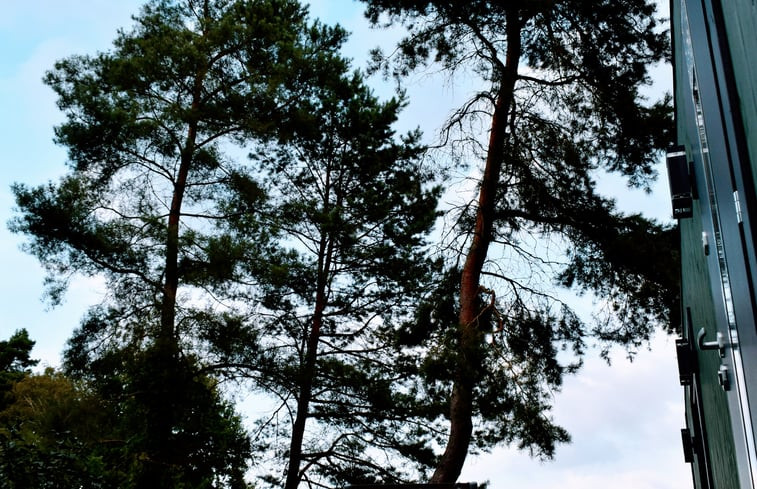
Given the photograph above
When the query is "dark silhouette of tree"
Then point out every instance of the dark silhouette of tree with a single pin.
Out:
(156, 131)
(353, 203)
(48, 434)
(15, 363)
(360, 212)
(561, 103)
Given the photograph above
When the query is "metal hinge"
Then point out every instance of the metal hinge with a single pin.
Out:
(737, 203)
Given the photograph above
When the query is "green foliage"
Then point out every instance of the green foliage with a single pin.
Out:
(353, 202)
(156, 129)
(631, 263)
(181, 87)
(15, 351)
(180, 433)
(220, 266)
(581, 65)
(61, 432)
(299, 267)
(50, 436)
(520, 362)
(560, 89)
(15, 362)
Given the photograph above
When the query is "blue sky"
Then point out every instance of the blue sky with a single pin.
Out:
(624, 419)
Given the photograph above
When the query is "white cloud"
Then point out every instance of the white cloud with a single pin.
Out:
(624, 420)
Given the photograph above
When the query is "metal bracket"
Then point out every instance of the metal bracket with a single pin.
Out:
(718, 344)
(723, 379)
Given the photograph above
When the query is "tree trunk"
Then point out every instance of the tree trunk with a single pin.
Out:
(306, 394)
(307, 375)
(171, 282)
(165, 355)
(470, 335)
(171, 278)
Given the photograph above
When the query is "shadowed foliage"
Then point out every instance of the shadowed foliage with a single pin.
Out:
(559, 92)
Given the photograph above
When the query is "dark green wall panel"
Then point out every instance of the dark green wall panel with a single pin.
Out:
(740, 18)
(697, 295)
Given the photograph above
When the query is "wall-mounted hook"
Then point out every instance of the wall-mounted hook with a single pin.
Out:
(718, 344)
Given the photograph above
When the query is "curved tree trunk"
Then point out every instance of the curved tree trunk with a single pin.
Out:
(470, 335)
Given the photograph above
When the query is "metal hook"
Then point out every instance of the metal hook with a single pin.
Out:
(718, 344)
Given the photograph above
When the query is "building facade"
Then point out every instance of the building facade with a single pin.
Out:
(712, 174)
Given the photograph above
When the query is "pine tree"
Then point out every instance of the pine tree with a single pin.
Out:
(15, 363)
(156, 131)
(353, 202)
(561, 100)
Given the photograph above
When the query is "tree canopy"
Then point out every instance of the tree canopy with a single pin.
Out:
(254, 215)
(156, 131)
(358, 219)
(257, 220)
(560, 95)
(47, 433)
(15, 363)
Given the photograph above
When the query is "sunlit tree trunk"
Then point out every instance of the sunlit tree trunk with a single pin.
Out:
(470, 335)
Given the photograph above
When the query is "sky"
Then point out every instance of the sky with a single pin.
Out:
(624, 419)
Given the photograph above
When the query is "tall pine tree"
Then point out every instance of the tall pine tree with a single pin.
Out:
(560, 96)
(353, 203)
(156, 131)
